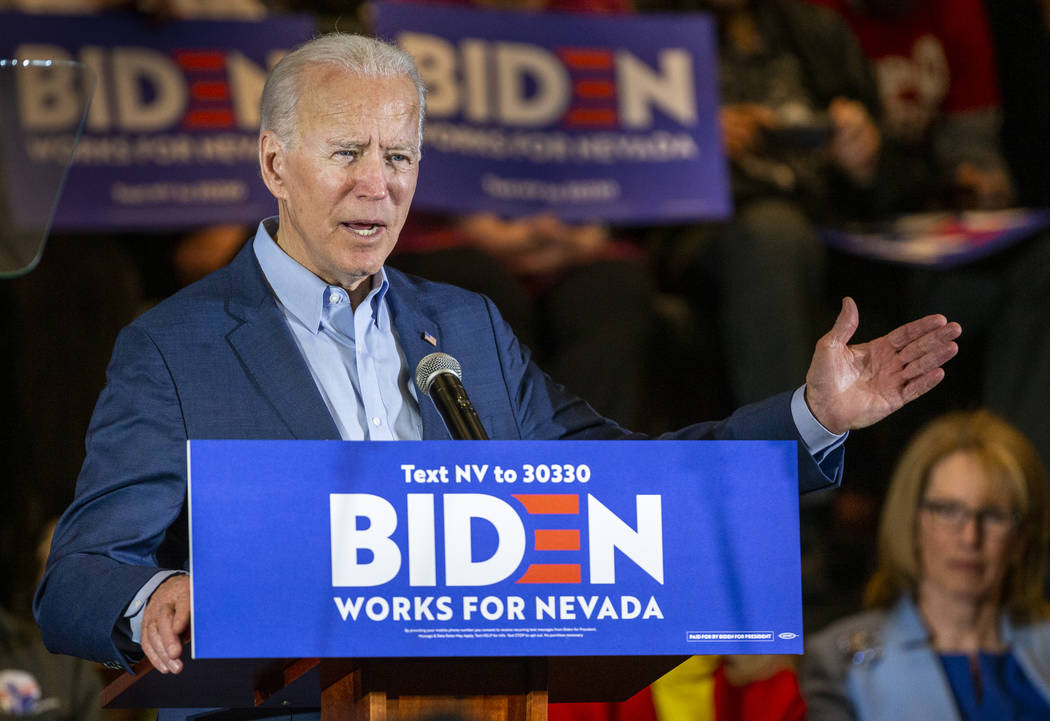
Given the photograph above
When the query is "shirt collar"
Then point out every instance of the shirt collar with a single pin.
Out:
(297, 289)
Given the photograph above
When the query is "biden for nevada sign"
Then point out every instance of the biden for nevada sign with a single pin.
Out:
(170, 138)
(591, 117)
(444, 548)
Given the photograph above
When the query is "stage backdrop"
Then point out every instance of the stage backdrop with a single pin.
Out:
(170, 136)
(591, 117)
(471, 548)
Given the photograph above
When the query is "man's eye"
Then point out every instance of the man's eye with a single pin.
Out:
(346, 154)
(400, 158)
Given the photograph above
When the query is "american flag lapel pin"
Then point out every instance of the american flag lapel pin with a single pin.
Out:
(430, 339)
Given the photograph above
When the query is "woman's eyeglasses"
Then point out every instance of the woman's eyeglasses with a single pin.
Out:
(996, 522)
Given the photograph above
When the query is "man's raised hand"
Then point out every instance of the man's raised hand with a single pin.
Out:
(853, 386)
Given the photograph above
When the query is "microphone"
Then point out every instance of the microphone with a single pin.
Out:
(438, 376)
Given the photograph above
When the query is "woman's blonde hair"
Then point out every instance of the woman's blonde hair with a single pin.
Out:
(1008, 458)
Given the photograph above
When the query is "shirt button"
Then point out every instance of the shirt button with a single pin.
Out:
(376, 422)
(334, 298)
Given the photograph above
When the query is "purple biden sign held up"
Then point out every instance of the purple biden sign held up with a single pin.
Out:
(589, 117)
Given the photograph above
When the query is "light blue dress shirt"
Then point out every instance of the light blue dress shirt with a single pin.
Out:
(353, 354)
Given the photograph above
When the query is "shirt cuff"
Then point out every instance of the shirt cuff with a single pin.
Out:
(138, 603)
(819, 441)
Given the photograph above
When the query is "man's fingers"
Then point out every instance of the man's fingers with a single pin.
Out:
(180, 620)
(150, 648)
(934, 341)
(909, 332)
(160, 643)
(929, 361)
(918, 386)
(165, 618)
(168, 637)
(155, 648)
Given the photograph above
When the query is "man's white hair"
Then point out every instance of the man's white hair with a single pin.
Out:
(356, 54)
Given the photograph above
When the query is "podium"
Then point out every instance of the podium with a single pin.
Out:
(392, 689)
(405, 580)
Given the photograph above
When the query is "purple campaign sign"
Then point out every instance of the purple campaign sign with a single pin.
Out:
(443, 548)
(586, 116)
(170, 137)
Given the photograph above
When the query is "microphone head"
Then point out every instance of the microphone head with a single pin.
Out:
(432, 366)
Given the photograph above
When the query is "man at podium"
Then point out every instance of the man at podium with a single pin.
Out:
(307, 335)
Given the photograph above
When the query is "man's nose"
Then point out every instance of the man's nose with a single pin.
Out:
(370, 181)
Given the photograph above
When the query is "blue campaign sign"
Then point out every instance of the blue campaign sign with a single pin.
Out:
(170, 138)
(591, 117)
(494, 548)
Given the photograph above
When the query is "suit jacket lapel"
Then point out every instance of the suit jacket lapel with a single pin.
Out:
(270, 355)
(414, 324)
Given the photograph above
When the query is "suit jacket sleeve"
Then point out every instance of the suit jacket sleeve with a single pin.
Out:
(545, 410)
(128, 514)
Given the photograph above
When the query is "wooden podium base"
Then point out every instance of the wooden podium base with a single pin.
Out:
(391, 689)
(496, 689)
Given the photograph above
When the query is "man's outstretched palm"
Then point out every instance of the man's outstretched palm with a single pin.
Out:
(853, 386)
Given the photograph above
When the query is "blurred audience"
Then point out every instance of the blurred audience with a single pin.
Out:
(940, 96)
(799, 110)
(936, 71)
(959, 626)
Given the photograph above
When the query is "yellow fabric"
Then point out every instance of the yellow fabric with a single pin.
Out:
(687, 692)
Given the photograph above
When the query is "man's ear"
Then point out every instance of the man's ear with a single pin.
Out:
(272, 163)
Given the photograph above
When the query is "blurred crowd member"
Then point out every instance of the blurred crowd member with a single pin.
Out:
(798, 107)
(936, 74)
(40, 685)
(576, 294)
(960, 628)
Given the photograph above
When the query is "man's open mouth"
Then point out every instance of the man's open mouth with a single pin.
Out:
(365, 229)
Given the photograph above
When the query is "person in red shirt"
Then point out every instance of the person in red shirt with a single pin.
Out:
(935, 67)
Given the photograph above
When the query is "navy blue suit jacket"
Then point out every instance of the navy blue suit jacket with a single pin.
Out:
(217, 361)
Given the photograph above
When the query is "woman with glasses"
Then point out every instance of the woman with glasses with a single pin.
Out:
(958, 627)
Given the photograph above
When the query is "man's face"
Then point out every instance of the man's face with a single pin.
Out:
(345, 181)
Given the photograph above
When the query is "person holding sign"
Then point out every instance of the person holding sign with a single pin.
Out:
(306, 334)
